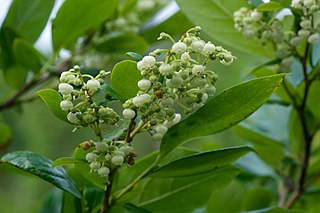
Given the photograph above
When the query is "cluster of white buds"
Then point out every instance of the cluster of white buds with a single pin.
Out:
(109, 155)
(268, 28)
(181, 79)
(77, 91)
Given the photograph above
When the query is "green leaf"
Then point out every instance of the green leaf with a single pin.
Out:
(269, 150)
(53, 202)
(65, 161)
(172, 195)
(216, 20)
(52, 98)
(124, 78)
(222, 112)
(275, 210)
(41, 167)
(26, 55)
(135, 209)
(5, 135)
(111, 92)
(135, 56)
(201, 162)
(257, 198)
(270, 6)
(15, 75)
(76, 16)
(93, 199)
(28, 18)
(120, 43)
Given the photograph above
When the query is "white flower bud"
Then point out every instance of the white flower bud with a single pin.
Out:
(126, 149)
(305, 24)
(303, 33)
(179, 48)
(185, 57)
(256, 16)
(91, 157)
(204, 97)
(165, 69)
(176, 81)
(95, 165)
(66, 105)
(210, 89)
(209, 48)
(196, 69)
(157, 137)
(144, 84)
(197, 46)
(149, 61)
(118, 152)
(102, 146)
(167, 102)
(296, 3)
(104, 171)
(107, 157)
(140, 100)
(117, 160)
(177, 118)
(72, 117)
(308, 3)
(93, 84)
(65, 88)
(160, 128)
(128, 113)
(314, 38)
(295, 41)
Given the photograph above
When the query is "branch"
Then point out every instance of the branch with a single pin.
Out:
(107, 193)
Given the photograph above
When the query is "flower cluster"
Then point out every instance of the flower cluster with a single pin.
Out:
(181, 79)
(270, 28)
(109, 155)
(77, 91)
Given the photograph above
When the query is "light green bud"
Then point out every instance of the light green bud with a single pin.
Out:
(104, 171)
(91, 157)
(117, 160)
(95, 165)
(102, 146)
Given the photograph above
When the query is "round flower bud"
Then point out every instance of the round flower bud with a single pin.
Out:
(102, 146)
(308, 3)
(126, 149)
(179, 48)
(160, 128)
(93, 84)
(256, 16)
(185, 57)
(72, 117)
(296, 3)
(140, 100)
(104, 171)
(65, 88)
(118, 152)
(88, 118)
(128, 113)
(165, 69)
(167, 102)
(177, 118)
(210, 89)
(295, 41)
(314, 38)
(107, 157)
(144, 84)
(95, 165)
(157, 137)
(197, 46)
(71, 78)
(204, 97)
(149, 61)
(305, 24)
(117, 160)
(66, 105)
(91, 157)
(303, 33)
(176, 81)
(196, 69)
(209, 48)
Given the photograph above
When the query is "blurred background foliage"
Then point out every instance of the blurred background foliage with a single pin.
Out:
(128, 26)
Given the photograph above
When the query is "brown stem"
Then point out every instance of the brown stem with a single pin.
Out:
(128, 138)
(107, 193)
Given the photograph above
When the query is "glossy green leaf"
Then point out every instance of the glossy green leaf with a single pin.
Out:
(120, 43)
(83, 168)
(93, 199)
(52, 98)
(134, 209)
(124, 77)
(76, 16)
(201, 162)
(222, 112)
(275, 210)
(172, 195)
(216, 20)
(26, 55)
(5, 135)
(41, 167)
(28, 18)
(269, 150)
(270, 6)
(134, 56)
(65, 161)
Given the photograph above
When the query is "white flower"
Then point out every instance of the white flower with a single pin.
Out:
(102, 146)
(296, 3)
(128, 113)
(146, 63)
(65, 88)
(197, 46)
(177, 118)
(117, 160)
(308, 3)
(196, 69)
(256, 16)
(165, 69)
(157, 137)
(179, 48)
(95, 165)
(104, 171)
(160, 128)
(185, 57)
(209, 48)
(72, 117)
(176, 81)
(313, 38)
(144, 84)
(66, 105)
(93, 84)
(91, 157)
(126, 149)
(140, 100)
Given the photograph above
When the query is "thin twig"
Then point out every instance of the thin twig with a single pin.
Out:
(107, 193)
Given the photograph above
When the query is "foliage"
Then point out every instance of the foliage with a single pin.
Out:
(131, 90)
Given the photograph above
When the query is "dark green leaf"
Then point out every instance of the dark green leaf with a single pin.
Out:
(93, 199)
(275, 210)
(15, 75)
(135, 56)
(76, 16)
(134, 209)
(41, 167)
(201, 162)
(222, 112)
(120, 43)
(28, 18)
(52, 98)
(270, 6)
(257, 198)
(26, 55)
(124, 77)
(111, 92)
(53, 202)
(268, 149)
(65, 161)
(118, 132)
